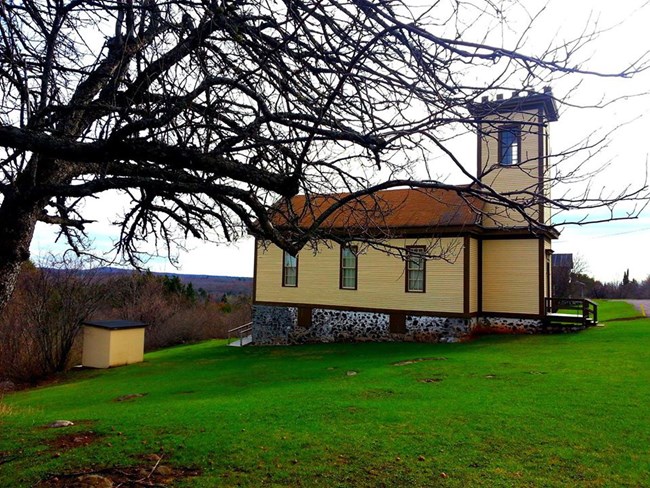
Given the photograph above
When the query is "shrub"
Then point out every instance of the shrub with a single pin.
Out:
(44, 318)
(173, 315)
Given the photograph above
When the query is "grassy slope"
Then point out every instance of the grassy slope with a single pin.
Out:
(615, 309)
(561, 410)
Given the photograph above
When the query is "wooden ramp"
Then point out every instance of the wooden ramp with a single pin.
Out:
(243, 335)
(244, 341)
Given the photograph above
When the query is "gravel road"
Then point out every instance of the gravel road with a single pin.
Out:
(638, 303)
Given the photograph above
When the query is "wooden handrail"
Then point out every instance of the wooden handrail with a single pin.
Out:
(592, 310)
(584, 308)
(240, 327)
(240, 331)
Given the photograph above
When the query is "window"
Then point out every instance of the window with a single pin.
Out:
(415, 269)
(289, 270)
(509, 142)
(348, 273)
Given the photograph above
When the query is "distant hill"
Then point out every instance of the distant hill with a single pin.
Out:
(214, 285)
(218, 285)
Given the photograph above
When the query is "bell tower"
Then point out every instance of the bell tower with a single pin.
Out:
(513, 148)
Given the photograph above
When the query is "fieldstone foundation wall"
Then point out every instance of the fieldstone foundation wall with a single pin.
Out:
(278, 325)
(272, 325)
(344, 326)
(503, 325)
(438, 329)
(510, 325)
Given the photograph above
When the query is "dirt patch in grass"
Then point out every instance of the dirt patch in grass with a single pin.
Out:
(73, 440)
(418, 360)
(7, 457)
(430, 380)
(378, 393)
(133, 476)
(132, 396)
(5, 410)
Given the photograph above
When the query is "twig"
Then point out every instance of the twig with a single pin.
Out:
(155, 467)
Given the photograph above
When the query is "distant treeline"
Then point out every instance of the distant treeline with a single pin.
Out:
(626, 288)
(583, 285)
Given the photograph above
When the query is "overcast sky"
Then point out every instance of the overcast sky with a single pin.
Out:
(608, 249)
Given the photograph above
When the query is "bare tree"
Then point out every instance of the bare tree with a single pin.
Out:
(40, 329)
(205, 113)
(61, 296)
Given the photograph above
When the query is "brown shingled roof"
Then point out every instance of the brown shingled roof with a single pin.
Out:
(388, 209)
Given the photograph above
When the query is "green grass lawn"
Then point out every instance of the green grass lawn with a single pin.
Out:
(560, 410)
(615, 309)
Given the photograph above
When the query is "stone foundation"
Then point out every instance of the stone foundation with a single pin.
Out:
(503, 325)
(272, 325)
(343, 326)
(424, 328)
(278, 325)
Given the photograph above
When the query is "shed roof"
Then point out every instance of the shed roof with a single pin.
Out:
(115, 324)
(387, 209)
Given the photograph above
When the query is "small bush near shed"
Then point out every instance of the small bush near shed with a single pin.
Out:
(42, 322)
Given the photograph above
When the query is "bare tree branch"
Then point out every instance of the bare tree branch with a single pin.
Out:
(209, 116)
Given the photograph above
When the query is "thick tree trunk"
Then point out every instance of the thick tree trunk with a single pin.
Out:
(17, 222)
(20, 210)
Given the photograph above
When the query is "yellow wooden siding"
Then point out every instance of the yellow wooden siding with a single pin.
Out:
(96, 347)
(511, 276)
(380, 279)
(523, 177)
(127, 346)
(473, 275)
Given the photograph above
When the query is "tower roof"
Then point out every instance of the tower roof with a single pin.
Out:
(517, 103)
